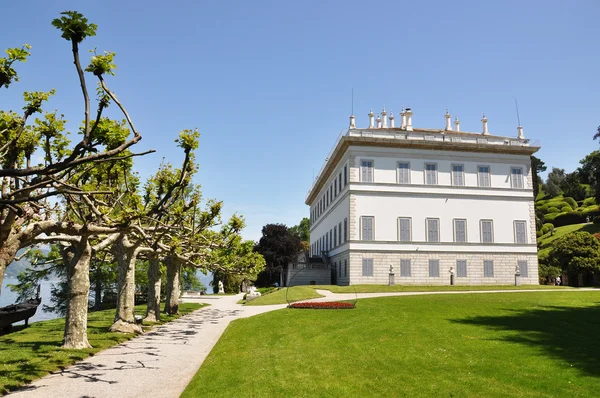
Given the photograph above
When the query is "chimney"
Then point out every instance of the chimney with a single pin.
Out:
(384, 117)
(378, 121)
(352, 122)
(409, 115)
(520, 133)
(448, 121)
(485, 127)
(403, 119)
(392, 120)
(371, 119)
(456, 124)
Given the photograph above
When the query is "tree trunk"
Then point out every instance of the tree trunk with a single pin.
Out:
(173, 289)
(126, 255)
(154, 280)
(8, 252)
(78, 279)
(98, 289)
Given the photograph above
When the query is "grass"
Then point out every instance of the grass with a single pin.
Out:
(295, 293)
(433, 288)
(31, 353)
(534, 344)
(546, 240)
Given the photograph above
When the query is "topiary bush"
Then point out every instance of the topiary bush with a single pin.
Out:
(566, 208)
(549, 217)
(553, 210)
(547, 227)
(572, 217)
(571, 202)
(589, 201)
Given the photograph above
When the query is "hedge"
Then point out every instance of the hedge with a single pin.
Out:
(571, 202)
(553, 210)
(572, 217)
(547, 227)
(589, 201)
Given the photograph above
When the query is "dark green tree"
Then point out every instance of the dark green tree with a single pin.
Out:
(279, 246)
(576, 253)
(571, 186)
(538, 166)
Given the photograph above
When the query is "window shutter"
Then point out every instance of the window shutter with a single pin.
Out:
(521, 232)
(488, 268)
(461, 268)
(460, 231)
(523, 270)
(364, 171)
(432, 230)
(434, 268)
(405, 268)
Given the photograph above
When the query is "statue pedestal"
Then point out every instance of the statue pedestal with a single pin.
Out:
(392, 281)
(517, 280)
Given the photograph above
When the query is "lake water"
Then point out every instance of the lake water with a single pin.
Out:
(8, 297)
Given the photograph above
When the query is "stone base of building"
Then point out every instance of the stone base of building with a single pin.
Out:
(504, 267)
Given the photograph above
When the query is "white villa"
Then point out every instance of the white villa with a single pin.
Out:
(426, 202)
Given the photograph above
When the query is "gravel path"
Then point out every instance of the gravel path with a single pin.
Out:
(159, 363)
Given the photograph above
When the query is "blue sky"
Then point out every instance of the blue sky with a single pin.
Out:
(268, 84)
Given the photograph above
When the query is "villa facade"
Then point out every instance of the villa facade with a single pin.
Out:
(425, 203)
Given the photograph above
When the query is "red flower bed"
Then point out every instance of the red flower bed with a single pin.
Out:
(329, 305)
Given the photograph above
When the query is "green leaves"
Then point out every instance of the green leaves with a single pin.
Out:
(7, 73)
(188, 140)
(102, 64)
(576, 252)
(35, 99)
(74, 26)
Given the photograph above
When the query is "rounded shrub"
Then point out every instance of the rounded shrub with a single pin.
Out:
(572, 217)
(553, 210)
(547, 227)
(571, 202)
(549, 217)
(589, 202)
(538, 233)
(566, 208)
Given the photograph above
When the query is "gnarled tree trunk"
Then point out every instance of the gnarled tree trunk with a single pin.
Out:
(8, 252)
(154, 280)
(126, 255)
(173, 289)
(78, 279)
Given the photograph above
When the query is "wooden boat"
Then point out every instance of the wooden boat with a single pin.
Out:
(18, 312)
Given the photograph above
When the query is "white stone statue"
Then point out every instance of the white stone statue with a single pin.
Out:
(221, 290)
(252, 293)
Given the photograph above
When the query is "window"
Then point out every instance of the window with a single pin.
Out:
(460, 230)
(367, 267)
(326, 242)
(340, 181)
(345, 267)
(458, 175)
(404, 229)
(335, 187)
(434, 268)
(345, 229)
(461, 268)
(405, 268)
(366, 171)
(327, 197)
(331, 238)
(488, 268)
(403, 173)
(340, 268)
(433, 229)
(367, 228)
(487, 231)
(345, 175)
(483, 176)
(520, 232)
(340, 233)
(516, 177)
(335, 236)
(331, 193)
(522, 264)
(430, 173)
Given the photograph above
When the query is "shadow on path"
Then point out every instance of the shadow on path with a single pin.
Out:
(565, 333)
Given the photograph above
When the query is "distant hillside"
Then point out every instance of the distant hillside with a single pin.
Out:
(16, 267)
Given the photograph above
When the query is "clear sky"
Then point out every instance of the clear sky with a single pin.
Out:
(268, 84)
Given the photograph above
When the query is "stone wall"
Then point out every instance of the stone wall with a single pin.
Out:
(504, 268)
(320, 275)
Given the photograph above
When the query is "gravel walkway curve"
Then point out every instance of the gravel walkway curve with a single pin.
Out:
(159, 363)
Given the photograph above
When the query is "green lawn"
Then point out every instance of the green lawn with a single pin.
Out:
(33, 352)
(535, 344)
(546, 239)
(295, 293)
(431, 288)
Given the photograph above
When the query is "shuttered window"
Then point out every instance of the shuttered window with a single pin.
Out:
(434, 268)
(367, 228)
(523, 270)
(403, 173)
(460, 230)
(458, 175)
(340, 181)
(335, 185)
(516, 177)
(335, 241)
(367, 267)
(461, 268)
(431, 174)
(366, 171)
(433, 230)
(345, 267)
(340, 233)
(404, 234)
(487, 231)
(520, 232)
(484, 176)
(345, 229)
(488, 268)
(345, 175)
(405, 268)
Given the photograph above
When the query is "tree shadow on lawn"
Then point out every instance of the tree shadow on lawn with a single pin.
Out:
(566, 333)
